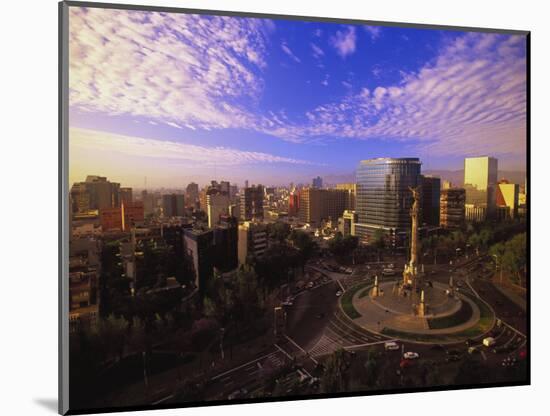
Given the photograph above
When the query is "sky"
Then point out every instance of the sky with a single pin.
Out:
(163, 99)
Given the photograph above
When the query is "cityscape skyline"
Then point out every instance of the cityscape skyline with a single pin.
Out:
(437, 95)
(265, 209)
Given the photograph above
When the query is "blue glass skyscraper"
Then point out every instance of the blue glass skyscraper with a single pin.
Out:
(383, 198)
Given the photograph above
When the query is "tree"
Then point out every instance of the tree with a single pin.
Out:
(279, 231)
(514, 258)
(372, 369)
(379, 241)
(305, 244)
(334, 379)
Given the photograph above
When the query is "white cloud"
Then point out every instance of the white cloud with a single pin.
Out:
(177, 68)
(317, 52)
(344, 41)
(471, 98)
(373, 31)
(289, 52)
(98, 141)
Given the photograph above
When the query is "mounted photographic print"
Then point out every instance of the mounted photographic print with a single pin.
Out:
(264, 207)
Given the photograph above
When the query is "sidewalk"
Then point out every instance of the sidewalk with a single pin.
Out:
(514, 297)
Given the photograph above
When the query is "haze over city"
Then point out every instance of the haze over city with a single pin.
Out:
(265, 208)
(280, 101)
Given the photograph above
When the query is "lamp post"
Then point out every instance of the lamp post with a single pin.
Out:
(222, 331)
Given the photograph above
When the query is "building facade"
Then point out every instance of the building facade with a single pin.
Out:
(252, 240)
(293, 204)
(216, 206)
(452, 203)
(480, 183)
(317, 182)
(317, 205)
(95, 193)
(346, 224)
(508, 197)
(173, 205)
(199, 247)
(252, 203)
(125, 195)
(384, 199)
(352, 191)
(226, 244)
(431, 190)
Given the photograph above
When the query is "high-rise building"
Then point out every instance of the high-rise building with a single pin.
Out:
(103, 194)
(173, 205)
(252, 203)
(150, 202)
(80, 198)
(480, 183)
(95, 193)
(508, 196)
(293, 203)
(192, 194)
(317, 205)
(252, 240)
(452, 208)
(317, 182)
(217, 204)
(352, 191)
(224, 187)
(431, 189)
(233, 190)
(346, 224)
(226, 244)
(199, 247)
(384, 199)
(125, 196)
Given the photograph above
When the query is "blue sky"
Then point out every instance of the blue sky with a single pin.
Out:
(186, 97)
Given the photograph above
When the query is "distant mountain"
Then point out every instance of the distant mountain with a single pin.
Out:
(456, 177)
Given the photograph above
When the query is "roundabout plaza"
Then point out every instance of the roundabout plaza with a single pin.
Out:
(415, 308)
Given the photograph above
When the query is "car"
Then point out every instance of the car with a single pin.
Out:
(339, 293)
(409, 355)
(489, 341)
(237, 394)
(391, 346)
